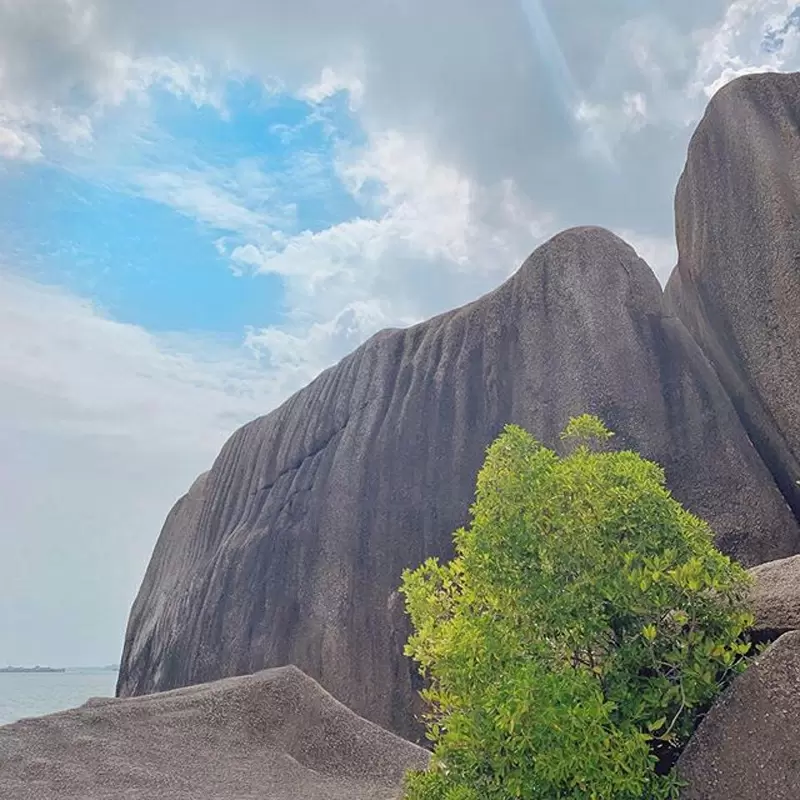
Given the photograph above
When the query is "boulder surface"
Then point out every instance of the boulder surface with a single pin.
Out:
(276, 735)
(737, 283)
(775, 598)
(746, 747)
(290, 550)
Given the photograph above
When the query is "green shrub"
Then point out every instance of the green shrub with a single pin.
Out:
(585, 623)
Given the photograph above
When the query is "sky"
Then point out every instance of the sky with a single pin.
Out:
(204, 204)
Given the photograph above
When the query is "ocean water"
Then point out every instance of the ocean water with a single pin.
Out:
(30, 694)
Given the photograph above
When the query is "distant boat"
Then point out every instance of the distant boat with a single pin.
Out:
(37, 668)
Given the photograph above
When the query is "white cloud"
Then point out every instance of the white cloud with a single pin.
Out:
(59, 72)
(436, 239)
(103, 426)
(96, 377)
(304, 352)
(18, 144)
(428, 238)
(605, 126)
(634, 107)
(330, 83)
(737, 48)
(219, 198)
(656, 74)
(660, 252)
(248, 256)
(488, 89)
(28, 126)
(134, 76)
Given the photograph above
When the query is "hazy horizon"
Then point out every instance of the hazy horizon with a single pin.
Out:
(58, 665)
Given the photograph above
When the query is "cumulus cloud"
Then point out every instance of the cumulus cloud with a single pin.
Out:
(428, 237)
(585, 118)
(60, 70)
(436, 239)
(753, 36)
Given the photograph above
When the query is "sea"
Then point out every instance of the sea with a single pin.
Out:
(34, 694)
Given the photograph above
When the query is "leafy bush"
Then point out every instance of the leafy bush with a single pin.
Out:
(585, 623)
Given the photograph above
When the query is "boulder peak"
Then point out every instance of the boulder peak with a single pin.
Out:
(592, 259)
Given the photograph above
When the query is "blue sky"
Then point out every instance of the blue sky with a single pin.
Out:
(202, 205)
(154, 263)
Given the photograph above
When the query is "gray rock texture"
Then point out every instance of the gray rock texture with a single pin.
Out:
(276, 735)
(737, 283)
(746, 747)
(291, 548)
(775, 598)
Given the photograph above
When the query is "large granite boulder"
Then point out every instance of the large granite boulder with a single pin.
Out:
(746, 747)
(291, 548)
(775, 598)
(276, 735)
(737, 283)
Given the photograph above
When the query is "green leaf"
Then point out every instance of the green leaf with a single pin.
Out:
(649, 632)
(659, 723)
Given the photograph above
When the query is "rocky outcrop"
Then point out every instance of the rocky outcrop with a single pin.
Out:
(737, 283)
(291, 548)
(276, 735)
(746, 747)
(775, 598)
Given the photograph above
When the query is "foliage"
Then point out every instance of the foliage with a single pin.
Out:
(585, 623)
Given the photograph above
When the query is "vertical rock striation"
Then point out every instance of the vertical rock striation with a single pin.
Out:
(290, 550)
(737, 283)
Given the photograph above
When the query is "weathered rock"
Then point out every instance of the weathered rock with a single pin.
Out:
(276, 735)
(775, 598)
(746, 747)
(291, 548)
(737, 283)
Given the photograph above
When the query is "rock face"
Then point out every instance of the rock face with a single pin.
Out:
(775, 598)
(737, 283)
(276, 735)
(746, 748)
(291, 548)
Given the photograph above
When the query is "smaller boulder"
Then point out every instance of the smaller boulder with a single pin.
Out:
(746, 747)
(275, 735)
(775, 598)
